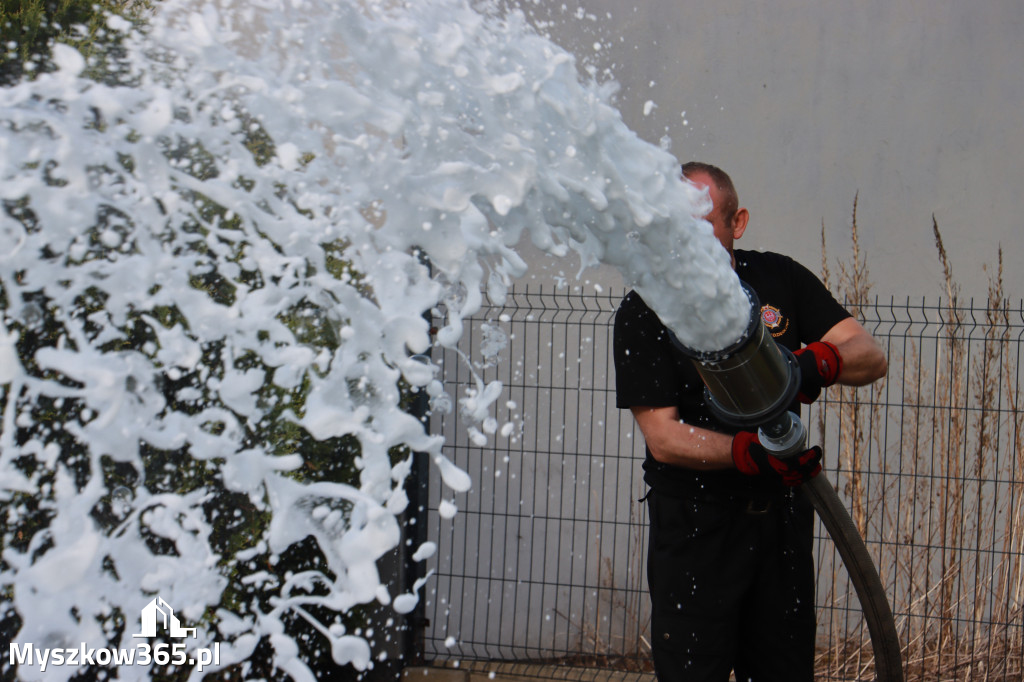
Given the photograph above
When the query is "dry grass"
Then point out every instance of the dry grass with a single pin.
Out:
(945, 518)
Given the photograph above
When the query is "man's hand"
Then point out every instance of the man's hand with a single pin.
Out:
(820, 365)
(752, 459)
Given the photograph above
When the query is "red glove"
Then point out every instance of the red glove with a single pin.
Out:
(752, 459)
(820, 365)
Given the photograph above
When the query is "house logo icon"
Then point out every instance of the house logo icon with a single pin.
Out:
(159, 610)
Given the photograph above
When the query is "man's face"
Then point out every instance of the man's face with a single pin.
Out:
(722, 224)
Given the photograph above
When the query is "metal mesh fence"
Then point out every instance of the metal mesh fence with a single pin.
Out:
(544, 560)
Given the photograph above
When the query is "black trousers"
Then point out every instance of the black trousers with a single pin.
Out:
(732, 589)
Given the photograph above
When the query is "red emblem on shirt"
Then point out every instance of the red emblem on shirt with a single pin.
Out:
(771, 316)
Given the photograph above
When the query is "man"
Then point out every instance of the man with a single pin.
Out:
(730, 565)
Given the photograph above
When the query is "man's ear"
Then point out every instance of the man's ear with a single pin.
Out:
(739, 222)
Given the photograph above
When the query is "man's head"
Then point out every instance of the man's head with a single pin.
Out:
(727, 218)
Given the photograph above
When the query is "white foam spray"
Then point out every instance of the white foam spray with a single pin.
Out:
(245, 219)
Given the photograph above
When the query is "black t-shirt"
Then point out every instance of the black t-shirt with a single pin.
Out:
(650, 371)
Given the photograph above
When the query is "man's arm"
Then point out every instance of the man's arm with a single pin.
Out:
(673, 442)
(862, 359)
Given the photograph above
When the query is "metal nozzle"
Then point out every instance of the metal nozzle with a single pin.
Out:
(752, 382)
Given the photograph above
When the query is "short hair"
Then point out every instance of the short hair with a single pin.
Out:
(722, 182)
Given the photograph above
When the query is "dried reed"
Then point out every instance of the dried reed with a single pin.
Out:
(947, 527)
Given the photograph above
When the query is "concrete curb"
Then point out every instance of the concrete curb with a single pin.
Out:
(499, 671)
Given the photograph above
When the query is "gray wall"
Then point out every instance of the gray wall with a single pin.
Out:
(915, 105)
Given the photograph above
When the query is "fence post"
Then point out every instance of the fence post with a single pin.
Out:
(414, 526)
(414, 534)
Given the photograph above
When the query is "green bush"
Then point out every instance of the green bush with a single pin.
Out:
(238, 523)
(29, 27)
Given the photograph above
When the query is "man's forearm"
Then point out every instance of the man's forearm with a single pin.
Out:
(673, 442)
(863, 361)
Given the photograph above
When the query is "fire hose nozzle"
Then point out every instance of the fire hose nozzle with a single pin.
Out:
(751, 384)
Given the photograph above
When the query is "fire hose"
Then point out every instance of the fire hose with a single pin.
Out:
(750, 385)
